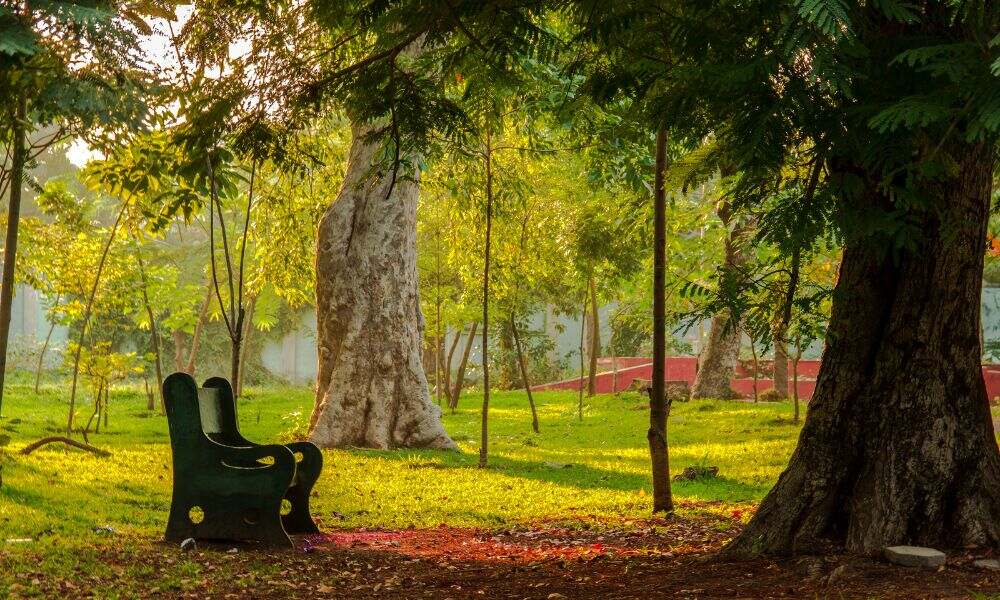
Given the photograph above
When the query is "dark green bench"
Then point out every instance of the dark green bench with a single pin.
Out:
(225, 486)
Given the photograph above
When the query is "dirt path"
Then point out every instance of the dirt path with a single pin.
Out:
(645, 559)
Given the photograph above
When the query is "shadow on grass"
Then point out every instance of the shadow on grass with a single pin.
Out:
(581, 476)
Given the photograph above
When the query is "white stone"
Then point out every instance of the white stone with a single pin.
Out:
(915, 556)
(990, 564)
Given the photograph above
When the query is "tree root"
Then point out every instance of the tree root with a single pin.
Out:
(70, 442)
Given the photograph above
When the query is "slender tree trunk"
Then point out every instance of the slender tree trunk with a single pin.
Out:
(179, 360)
(583, 370)
(595, 337)
(45, 348)
(199, 327)
(756, 367)
(247, 328)
(460, 373)
(154, 332)
(150, 396)
(524, 373)
(438, 340)
(96, 413)
(484, 431)
(19, 157)
(446, 361)
(898, 445)
(795, 381)
(371, 386)
(614, 360)
(658, 403)
(780, 369)
(88, 310)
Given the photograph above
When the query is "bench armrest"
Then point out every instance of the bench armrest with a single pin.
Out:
(236, 457)
(311, 464)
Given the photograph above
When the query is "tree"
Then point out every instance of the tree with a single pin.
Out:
(717, 360)
(659, 406)
(70, 66)
(890, 106)
(371, 386)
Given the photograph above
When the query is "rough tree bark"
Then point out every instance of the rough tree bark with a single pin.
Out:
(371, 387)
(898, 444)
(717, 363)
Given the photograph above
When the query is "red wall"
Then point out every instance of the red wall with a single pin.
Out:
(684, 368)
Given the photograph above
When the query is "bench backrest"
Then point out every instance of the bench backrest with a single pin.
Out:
(195, 414)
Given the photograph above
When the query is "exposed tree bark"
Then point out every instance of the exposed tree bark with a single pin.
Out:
(524, 374)
(595, 337)
(19, 155)
(898, 445)
(199, 327)
(717, 363)
(460, 373)
(371, 387)
(780, 370)
(756, 367)
(659, 406)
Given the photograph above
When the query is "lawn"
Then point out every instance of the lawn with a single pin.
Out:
(60, 507)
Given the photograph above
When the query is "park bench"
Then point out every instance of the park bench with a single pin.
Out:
(225, 486)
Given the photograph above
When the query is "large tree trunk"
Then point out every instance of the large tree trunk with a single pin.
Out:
(717, 363)
(898, 445)
(371, 387)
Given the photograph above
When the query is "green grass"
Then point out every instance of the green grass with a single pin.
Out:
(595, 470)
(597, 467)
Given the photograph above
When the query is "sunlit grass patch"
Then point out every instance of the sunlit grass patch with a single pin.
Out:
(590, 471)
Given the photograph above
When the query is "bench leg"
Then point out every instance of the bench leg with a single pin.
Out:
(299, 519)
